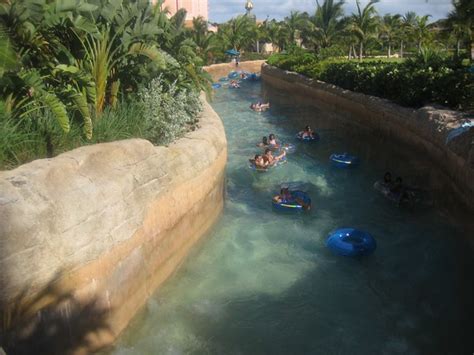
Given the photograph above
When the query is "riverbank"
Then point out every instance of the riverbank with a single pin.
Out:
(88, 236)
(428, 131)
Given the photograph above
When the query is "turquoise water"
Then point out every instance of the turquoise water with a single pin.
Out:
(264, 283)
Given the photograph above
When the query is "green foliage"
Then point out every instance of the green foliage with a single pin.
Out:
(36, 135)
(253, 56)
(168, 112)
(415, 82)
(67, 65)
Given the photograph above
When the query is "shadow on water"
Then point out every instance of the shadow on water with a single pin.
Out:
(358, 312)
(62, 327)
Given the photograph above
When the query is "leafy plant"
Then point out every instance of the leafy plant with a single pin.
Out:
(415, 82)
(168, 112)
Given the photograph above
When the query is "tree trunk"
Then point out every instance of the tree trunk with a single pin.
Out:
(389, 53)
(458, 47)
(354, 52)
(361, 50)
(472, 50)
(401, 49)
(258, 46)
(349, 56)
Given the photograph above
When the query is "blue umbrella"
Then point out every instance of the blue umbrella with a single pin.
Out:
(232, 52)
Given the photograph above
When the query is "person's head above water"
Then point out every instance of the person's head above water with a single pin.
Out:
(268, 151)
(265, 140)
(271, 136)
(387, 177)
(257, 156)
(307, 128)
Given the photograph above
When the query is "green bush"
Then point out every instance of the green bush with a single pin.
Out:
(252, 56)
(161, 113)
(168, 112)
(427, 78)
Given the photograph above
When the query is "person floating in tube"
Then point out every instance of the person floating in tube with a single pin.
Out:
(285, 196)
(260, 107)
(273, 141)
(263, 143)
(270, 159)
(259, 162)
(307, 133)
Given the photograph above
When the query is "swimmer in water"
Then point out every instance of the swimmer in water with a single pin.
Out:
(270, 159)
(307, 132)
(263, 143)
(259, 162)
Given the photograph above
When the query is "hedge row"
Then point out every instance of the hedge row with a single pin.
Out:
(414, 83)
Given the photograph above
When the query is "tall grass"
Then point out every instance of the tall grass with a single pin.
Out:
(39, 136)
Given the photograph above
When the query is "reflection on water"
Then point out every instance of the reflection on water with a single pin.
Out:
(264, 283)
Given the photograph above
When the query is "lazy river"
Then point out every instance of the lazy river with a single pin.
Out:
(265, 283)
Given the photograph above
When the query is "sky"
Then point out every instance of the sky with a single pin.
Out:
(223, 10)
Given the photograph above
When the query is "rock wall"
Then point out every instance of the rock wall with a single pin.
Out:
(435, 133)
(220, 70)
(88, 236)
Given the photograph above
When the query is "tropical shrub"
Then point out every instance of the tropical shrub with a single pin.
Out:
(68, 67)
(414, 83)
(168, 112)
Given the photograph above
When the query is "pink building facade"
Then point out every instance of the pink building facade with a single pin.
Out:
(194, 8)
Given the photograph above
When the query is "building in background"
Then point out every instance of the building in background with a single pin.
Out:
(194, 8)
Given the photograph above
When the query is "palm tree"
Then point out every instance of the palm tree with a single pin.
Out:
(124, 31)
(203, 39)
(408, 22)
(421, 31)
(461, 21)
(389, 29)
(199, 30)
(364, 23)
(276, 34)
(325, 25)
(238, 33)
(47, 75)
(294, 24)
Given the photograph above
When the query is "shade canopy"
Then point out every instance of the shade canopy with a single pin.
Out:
(232, 52)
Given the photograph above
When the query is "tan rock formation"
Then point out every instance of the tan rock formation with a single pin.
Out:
(93, 232)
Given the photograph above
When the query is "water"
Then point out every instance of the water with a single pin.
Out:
(264, 283)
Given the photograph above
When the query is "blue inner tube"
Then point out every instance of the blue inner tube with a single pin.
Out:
(313, 138)
(292, 205)
(344, 160)
(216, 86)
(254, 77)
(233, 75)
(351, 242)
(224, 79)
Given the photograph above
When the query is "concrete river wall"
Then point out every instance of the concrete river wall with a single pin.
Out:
(434, 133)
